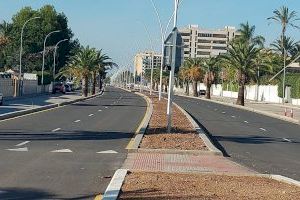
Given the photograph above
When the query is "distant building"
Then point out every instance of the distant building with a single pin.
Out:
(199, 42)
(143, 61)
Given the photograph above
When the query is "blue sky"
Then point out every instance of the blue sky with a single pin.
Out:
(117, 25)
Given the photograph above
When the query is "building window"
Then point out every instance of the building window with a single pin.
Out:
(186, 40)
(203, 53)
(220, 48)
(204, 41)
(204, 35)
(204, 47)
(219, 35)
(219, 42)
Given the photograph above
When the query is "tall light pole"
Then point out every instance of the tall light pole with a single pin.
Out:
(43, 66)
(284, 72)
(21, 49)
(54, 56)
(171, 78)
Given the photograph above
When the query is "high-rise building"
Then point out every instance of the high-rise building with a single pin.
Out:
(199, 42)
(142, 61)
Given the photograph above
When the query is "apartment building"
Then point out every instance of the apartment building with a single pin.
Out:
(143, 61)
(199, 42)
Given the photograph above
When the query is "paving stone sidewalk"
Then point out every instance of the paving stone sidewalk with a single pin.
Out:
(183, 163)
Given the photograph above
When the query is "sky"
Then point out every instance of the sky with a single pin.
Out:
(120, 27)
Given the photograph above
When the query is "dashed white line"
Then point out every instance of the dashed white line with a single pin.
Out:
(246, 122)
(262, 129)
(57, 129)
(233, 116)
(99, 110)
(105, 107)
(223, 112)
(78, 120)
(287, 140)
(216, 109)
(91, 115)
(22, 143)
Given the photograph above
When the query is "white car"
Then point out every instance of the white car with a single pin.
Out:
(1, 99)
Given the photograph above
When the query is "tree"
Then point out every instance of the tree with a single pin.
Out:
(211, 72)
(81, 65)
(4, 41)
(194, 72)
(247, 35)
(285, 18)
(183, 74)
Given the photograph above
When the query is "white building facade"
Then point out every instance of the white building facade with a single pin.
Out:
(142, 61)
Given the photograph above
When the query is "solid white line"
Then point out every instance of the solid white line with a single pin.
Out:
(57, 129)
(22, 143)
(99, 110)
(246, 122)
(262, 129)
(91, 115)
(285, 139)
(76, 121)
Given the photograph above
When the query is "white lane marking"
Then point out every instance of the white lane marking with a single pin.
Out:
(99, 110)
(105, 107)
(223, 112)
(262, 129)
(57, 129)
(18, 149)
(62, 151)
(287, 140)
(78, 120)
(216, 109)
(22, 143)
(233, 116)
(91, 115)
(246, 122)
(108, 151)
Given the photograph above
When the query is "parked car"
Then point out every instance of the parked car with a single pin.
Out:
(68, 88)
(59, 87)
(202, 92)
(1, 99)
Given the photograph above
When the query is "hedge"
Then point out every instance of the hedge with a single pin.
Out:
(231, 86)
(292, 80)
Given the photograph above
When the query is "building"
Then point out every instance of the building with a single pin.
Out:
(199, 42)
(142, 61)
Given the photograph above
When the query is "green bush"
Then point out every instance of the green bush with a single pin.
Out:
(231, 86)
(47, 77)
(292, 80)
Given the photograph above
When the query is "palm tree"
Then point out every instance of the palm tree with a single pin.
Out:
(247, 35)
(81, 65)
(285, 18)
(211, 71)
(194, 72)
(290, 45)
(5, 29)
(241, 57)
(184, 76)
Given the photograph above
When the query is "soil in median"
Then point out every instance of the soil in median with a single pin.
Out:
(182, 137)
(160, 186)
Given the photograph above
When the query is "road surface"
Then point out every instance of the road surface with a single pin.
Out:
(265, 144)
(70, 152)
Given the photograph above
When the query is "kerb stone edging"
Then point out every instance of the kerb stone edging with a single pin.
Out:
(42, 108)
(113, 189)
(142, 129)
(288, 119)
(201, 132)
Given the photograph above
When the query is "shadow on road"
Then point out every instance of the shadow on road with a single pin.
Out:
(252, 139)
(75, 135)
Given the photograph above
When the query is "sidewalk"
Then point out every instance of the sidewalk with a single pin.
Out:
(274, 108)
(19, 104)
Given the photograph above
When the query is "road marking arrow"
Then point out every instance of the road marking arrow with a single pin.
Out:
(108, 151)
(18, 149)
(62, 151)
(22, 143)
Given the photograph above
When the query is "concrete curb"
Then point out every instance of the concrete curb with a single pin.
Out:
(144, 124)
(295, 121)
(202, 134)
(177, 151)
(43, 108)
(113, 189)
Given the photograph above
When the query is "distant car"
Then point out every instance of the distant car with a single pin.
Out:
(59, 87)
(202, 92)
(68, 88)
(1, 99)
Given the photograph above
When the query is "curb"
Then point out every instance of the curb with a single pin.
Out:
(113, 189)
(43, 108)
(202, 134)
(143, 126)
(177, 151)
(295, 121)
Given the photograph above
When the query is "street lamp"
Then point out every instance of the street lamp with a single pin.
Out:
(42, 81)
(21, 49)
(54, 56)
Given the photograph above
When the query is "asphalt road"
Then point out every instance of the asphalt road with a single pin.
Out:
(265, 144)
(70, 152)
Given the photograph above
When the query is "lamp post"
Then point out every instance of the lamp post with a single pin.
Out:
(21, 49)
(43, 66)
(54, 56)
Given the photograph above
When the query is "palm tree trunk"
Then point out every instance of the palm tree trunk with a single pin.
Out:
(156, 86)
(94, 83)
(241, 93)
(85, 85)
(208, 87)
(195, 92)
(166, 88)
(187, 88)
